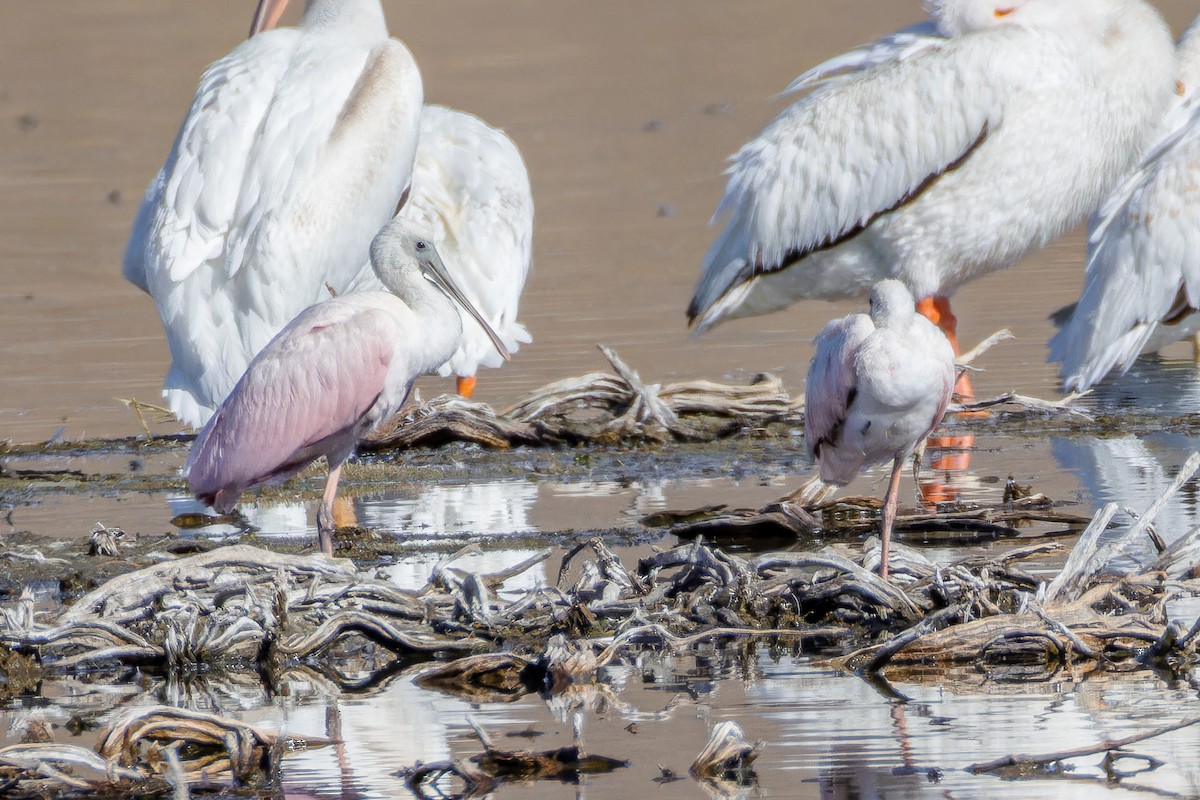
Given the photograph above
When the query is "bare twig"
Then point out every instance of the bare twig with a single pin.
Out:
(1022, 760)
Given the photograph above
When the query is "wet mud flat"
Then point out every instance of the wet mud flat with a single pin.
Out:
(167, 657)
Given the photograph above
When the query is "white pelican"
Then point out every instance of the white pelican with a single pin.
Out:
(1142, 288)
(471, 196)
(297, 148)
(948, 150)
(877, 386)
(331, 376)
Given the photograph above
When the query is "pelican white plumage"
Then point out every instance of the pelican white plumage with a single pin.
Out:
(471, 196)
(878, 384)
(338, 370)
(947, 150)
(297, 148)
(1142, 287)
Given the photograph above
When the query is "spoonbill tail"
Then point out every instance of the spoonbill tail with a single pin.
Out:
(938, 154)
(471, 196)
(329, 378)
(877, 386)
(1142, 287)
(298, 147)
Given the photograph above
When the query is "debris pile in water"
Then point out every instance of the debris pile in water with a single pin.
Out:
(149, 751)
(245, 611)
(618, 406)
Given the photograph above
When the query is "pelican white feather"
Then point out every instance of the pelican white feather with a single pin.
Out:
(936, 160)
(893, 47)
(297, 148)
(1142, 285)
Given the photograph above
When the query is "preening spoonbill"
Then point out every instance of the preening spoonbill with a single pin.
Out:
(946, 151)
(331, 376)
(297, 149)
(878, 384)
(1142, 287)
(471, 196)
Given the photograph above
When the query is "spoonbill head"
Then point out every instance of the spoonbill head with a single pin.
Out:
(878, 384)
(936, 156)
(331, 376)
(471, 196)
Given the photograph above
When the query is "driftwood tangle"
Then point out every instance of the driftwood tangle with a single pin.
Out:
(618, 406)
(600, 408)
(241, 608)
(148, 751)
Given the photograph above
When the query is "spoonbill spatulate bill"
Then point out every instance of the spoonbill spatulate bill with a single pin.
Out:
(1142, 286)
(938, 154)
(298, 147)
(878, 384)
(471, 196)
(331, 376)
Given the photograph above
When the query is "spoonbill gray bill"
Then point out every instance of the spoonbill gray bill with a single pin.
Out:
(1142, 287)
(298, 147)
(878, 384)
(938, 154)
(471, 196)
(336, 372)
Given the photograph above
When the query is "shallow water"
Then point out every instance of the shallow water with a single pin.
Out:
(826, 734)
(625, 113)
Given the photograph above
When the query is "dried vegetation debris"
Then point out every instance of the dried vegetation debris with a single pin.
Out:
(618, 406)
(484, 772)
(240, 609)
(242, 606)
(149, 751)
(599, 408)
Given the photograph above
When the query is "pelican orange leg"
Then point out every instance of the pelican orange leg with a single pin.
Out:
(954, 452)
(465, 386)
(937, 310)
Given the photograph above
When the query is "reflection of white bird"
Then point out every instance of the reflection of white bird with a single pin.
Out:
(471, 196)
(331, 376)
(494, 509)
(940, 156)
(298, 147)
(1135, 471)
(876, 387)
(1142, 290)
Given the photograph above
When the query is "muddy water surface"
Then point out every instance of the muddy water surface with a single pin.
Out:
(625, 112)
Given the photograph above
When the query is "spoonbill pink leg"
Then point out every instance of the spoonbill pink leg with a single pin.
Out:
(889, 516)
(325, 521)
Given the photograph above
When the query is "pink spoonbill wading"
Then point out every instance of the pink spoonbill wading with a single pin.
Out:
(938, 154)
(336, 372)
(878, 384)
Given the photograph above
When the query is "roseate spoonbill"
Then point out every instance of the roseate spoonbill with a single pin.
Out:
(297, 148)
(471, 196)
(947, 151)
(1142, 287)
(877, 386)
(331, 376)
